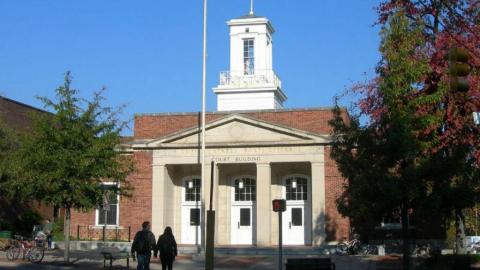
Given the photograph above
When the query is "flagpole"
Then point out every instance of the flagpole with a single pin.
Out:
(204, 78)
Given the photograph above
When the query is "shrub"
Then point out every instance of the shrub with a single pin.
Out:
(57, 231)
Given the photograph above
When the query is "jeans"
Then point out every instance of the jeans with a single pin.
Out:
(49, 241)
(143, 261)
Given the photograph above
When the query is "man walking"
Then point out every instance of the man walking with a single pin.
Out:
(143, 244)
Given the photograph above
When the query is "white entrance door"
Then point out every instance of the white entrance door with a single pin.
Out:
(191, 212)
(191, 224)
(296, 221)
(242, 229)
(243, 214)
(294, 224)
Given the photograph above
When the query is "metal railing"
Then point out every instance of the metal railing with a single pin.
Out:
(89, 232)
(259, 78)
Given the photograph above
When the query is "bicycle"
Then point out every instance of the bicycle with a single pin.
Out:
(31, 251)
(349, 247)
(421, 250)
(367, 249)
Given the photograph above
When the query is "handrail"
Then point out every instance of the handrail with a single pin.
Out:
(91, 232)
(238, 79)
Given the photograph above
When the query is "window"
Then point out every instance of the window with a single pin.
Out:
(109, 207)
(244, 216)
(248, 56)
(296, 188)
(194, 217)
(297, 216)
(192, 190)
(245, 189)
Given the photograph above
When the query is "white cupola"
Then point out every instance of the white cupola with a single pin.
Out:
(251, 83)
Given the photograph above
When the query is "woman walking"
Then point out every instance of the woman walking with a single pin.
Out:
(167, 247)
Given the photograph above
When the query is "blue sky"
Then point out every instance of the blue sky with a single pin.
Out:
(149, 53)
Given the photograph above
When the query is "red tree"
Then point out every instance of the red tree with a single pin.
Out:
(443, 122)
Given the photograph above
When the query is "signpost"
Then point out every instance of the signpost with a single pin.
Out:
(209, 251)
(279, 206)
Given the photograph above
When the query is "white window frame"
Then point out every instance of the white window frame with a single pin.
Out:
(309, 188)
(184, 183)
(232, 191)
(97, 212)
(246, 70)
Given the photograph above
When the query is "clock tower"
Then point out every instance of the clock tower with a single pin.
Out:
(251, 83)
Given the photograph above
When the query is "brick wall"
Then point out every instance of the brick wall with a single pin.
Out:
(138, 208)
(133, 210)
(17, 115)
(337, 227)
(155, 126)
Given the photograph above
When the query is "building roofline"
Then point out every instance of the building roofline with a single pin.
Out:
(24, 105)
(239, 111)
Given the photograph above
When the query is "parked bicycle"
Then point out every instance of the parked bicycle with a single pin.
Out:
(473, 248)
(354, 247)
(421, 250)
(348, 247)
(31, 250)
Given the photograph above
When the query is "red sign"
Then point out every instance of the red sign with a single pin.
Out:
(279, 205)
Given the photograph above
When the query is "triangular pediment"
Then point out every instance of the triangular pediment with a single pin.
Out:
(238, 130)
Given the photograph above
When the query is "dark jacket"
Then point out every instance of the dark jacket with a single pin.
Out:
(167, 246)
(143, 236)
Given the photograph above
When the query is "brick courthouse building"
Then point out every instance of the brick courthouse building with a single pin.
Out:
(261, 152)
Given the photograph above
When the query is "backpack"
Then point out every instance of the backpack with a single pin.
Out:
(142, 245)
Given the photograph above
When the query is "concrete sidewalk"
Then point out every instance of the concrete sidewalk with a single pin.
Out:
(92, 260)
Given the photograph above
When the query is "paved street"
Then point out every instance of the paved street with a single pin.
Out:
(93, 260)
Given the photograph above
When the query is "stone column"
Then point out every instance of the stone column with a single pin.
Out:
(264, 207)
(158, 195)
(318, 203)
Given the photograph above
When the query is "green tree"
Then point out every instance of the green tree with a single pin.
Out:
(7, 146)
(383, 160)
(66, 157)
(16, 213)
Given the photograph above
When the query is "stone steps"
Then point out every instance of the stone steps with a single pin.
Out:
(193, 249)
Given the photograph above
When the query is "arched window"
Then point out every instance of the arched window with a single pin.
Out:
(192, 190)
(245, 189)
(296, 188)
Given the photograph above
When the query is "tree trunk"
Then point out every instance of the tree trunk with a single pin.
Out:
(460, 232)
(66, 254)
(405, 237)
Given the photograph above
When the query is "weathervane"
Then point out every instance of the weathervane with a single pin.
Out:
(251, 7)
